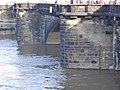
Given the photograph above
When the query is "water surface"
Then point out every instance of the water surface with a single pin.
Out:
(37, 67)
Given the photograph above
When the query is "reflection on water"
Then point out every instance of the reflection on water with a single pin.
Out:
(41, 50)
(37, 67)
(92, 80)
(19, 70)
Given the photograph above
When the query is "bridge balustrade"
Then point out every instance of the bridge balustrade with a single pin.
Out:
(108, 10)
(5, 7)
(76, 10)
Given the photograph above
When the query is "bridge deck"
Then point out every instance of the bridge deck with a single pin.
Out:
(72, 9)
(87, 14)
(93, 10)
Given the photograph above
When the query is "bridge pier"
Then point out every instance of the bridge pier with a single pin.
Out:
(27, 28)
(86, 43)
(35, 23)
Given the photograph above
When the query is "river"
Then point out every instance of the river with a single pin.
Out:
(36, 67)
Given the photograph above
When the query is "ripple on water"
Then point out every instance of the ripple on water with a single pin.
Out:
(28, 71)
(10, 71)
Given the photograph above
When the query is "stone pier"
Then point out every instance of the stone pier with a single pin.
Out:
(81, 42)
(36, 24)
(88, 37)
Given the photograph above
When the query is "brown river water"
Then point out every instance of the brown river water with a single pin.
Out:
(36, 67)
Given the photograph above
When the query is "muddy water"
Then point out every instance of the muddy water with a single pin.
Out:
(36, 67)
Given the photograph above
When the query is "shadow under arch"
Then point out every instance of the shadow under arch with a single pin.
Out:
(52, 35)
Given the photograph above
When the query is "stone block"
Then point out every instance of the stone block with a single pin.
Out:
(85, 39)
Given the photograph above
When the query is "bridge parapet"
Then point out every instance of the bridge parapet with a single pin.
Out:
(6, 7)
(71, 10)
(83, 10)
(24, 5)
(38, 7)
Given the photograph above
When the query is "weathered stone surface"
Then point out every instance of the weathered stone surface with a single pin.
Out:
(86, 32)
(81, 42)
(7, 21)
(34, 27)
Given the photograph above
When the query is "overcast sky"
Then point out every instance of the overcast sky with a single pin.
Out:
(36, 1)
(25, 1)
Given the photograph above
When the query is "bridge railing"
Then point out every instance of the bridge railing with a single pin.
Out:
(39, 7)
(5, 7)
(93, 9)
(79, 9)
(24, 5)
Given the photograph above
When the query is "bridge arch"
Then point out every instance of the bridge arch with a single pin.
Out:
(52, 32)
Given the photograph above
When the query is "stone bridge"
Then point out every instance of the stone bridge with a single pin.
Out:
(7, 20)
(36, 22)
(89, 35)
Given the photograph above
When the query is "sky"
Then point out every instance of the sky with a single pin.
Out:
(2, 2)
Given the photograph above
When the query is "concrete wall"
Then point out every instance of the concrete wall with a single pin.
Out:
(86, 43)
